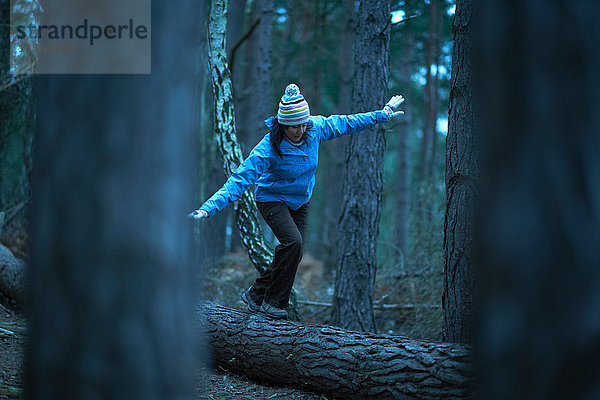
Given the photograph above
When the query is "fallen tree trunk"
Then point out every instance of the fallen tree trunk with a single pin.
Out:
(333, 361)
(12, 276)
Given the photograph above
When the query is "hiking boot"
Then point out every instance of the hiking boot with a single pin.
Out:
(252, 305)
(273, 311)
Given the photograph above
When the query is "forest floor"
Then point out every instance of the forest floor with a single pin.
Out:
(213, 384)
(12, 347)
(406, 300)
(223, 281)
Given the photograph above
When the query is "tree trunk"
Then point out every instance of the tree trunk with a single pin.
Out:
(403, 195)
(332, 152)
(261, 96)
(16, 132)
(347, 56)
(461, 185)
(245, 83)
(12, 276)
(245, 208)
(224, 223)
(111, 299)
(431, 97)
(254, 98)
(236, 11)
(363, 182)
(317, 29)
(437, 23)
(538, 228)
(333, 361)
(211, 239)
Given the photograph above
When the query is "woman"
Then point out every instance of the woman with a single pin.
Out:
(282, 166)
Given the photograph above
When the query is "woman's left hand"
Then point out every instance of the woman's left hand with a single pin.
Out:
(198, 214)
(391, 106)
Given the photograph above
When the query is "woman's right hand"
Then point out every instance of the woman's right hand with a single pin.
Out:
(390, 107)
(198, 214)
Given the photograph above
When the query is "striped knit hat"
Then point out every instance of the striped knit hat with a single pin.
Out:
(293, 109)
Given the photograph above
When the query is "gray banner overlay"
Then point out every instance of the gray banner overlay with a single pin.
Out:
(81, 37)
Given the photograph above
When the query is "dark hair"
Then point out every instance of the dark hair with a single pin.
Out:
(277, 133)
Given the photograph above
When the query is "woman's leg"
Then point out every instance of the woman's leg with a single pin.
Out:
(289, 226)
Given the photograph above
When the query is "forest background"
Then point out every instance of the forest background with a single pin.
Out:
(311, 44)
(270, 44)
(538, 235)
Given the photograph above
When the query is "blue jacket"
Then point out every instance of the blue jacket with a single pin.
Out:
(289, 178)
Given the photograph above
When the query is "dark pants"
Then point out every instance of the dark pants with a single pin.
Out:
(289, 226)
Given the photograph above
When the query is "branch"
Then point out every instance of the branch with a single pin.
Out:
(25, 74)
(6, 333)
(375, 306)
(406, 19)
(11, 212)
(396, 23)
(239, 43)
(12, 327)
(386, 25)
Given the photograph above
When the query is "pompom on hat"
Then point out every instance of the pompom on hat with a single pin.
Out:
(293, 108)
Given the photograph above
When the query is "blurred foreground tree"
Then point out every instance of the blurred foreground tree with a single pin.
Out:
(537, 66)
(112, 302)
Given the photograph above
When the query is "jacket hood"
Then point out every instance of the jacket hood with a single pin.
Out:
(269, 122)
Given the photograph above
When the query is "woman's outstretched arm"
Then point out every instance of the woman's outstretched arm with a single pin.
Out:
(340, 125)
(245, 175)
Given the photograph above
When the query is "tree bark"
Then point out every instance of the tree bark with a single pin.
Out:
(538, 227)
(332, 153)
(16, 133)
(363, 182)
(437, 23)
(431, 97)
(261, 96)
(346, 67)
(461, 185)
(402, 187)
(255, 95)
(236, 11)
(111, 302)
(244, 91)
(333, 361)
(225, 225)
(211, 239)
(245, 208)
